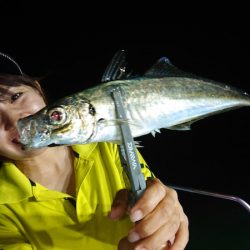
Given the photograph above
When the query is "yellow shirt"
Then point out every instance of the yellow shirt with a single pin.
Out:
(34, 217)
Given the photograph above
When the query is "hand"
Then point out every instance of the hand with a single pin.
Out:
(160, 222)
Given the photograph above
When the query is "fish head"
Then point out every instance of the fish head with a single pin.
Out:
(66, 122)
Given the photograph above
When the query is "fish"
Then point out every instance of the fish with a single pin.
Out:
(164, 97)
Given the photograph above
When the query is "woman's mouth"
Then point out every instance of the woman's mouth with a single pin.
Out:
(16, 139)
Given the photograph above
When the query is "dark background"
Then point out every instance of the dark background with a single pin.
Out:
(213, 156)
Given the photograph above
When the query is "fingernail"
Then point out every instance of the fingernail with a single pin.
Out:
(133, 236)
(137, 215)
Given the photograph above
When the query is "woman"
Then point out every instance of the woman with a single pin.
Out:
(74, 197)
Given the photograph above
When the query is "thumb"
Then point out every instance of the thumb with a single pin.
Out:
(120, 205)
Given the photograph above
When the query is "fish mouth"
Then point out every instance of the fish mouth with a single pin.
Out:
(24, 130)
(29, 134)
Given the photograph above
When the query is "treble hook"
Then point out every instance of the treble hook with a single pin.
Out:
(217, 195)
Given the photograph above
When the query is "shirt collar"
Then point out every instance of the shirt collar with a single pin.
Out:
(84, 151)
(15, 186)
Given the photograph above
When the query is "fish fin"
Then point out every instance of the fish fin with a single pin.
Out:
(187, 125)
(163, 67)
(137, 144)
(182, 126)
(153, 132)
(116, 69)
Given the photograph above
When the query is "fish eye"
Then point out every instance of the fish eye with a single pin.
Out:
(57, 115)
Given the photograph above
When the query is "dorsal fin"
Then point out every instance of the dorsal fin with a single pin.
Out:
(163, 67)
(116, 69)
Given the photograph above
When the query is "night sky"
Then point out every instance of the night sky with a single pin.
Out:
(213, 156)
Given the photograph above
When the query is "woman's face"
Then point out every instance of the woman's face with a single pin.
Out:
(23, 102)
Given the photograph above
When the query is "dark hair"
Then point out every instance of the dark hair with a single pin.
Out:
(8, 80)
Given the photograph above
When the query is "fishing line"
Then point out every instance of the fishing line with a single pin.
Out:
(212, 194)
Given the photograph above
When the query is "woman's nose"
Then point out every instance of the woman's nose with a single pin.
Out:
(10, 118)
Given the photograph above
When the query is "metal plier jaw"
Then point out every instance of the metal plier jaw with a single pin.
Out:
(128, 153)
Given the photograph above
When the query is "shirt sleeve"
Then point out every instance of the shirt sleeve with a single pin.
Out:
(10, 237)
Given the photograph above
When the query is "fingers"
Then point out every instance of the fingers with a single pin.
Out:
(164, 214)
(161, 236)
(158, 217)
(124, 244)
(120, 205)
(154, 193)
(160, 224)
(182, 235)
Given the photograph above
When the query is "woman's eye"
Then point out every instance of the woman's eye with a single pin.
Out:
(15, 96)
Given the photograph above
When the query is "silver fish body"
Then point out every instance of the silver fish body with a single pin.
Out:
(151, 103)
